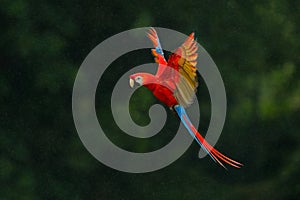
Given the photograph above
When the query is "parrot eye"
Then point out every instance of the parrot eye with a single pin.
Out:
(139, 80)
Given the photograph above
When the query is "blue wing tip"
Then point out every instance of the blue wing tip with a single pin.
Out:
(159, 50)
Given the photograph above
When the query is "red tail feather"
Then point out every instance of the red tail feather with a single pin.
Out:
(215, 153)
(212, 152)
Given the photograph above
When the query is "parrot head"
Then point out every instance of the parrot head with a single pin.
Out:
(141, 79)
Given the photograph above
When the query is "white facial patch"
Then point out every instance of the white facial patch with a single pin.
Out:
(139, 80)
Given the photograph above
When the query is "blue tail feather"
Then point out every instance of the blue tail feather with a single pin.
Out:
(181, 113)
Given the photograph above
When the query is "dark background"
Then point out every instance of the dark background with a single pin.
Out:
(255, 45)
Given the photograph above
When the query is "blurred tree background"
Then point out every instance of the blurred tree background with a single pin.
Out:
(256, 46)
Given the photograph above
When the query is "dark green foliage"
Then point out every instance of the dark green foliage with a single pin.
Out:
(256, 46)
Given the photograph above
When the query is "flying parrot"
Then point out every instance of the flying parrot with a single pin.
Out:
(175, 85)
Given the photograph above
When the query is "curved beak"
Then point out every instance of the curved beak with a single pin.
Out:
(131, 83)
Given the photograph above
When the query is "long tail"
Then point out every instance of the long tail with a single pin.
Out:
(211, 151)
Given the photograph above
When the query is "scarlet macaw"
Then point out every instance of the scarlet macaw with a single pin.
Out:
(175, 84)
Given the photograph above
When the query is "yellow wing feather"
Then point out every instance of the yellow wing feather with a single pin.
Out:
(188, 82)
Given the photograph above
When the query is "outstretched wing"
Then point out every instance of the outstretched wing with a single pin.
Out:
(157, 52)
(184, 61)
